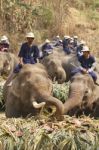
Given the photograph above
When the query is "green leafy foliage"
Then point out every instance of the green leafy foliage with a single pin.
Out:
(61, 91)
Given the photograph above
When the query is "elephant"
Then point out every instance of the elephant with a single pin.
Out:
(83, 92)
(7, 62)
(54, 67)
(69, 63)
(31, 90)
(97, 65)
(81, 87)
(59, 65)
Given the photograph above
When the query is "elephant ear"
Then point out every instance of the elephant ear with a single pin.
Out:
(15, 91)
(15, 88)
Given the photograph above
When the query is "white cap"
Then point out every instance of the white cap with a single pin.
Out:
(71, 41)
(82, 42)
(66, 37)
(30, 35)
(4, 39)
(85, 49)
(75, 37)
(60, 41)
(47, 41)
(58, 36)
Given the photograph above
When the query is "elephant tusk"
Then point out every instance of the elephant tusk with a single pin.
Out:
(9, 68)
(38, 105)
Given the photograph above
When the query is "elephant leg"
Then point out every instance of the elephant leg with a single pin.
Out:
(96, 111)
(12, 107)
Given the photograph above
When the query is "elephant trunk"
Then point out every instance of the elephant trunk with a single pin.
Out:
(61, 75)
(48, 99)
(75, 97)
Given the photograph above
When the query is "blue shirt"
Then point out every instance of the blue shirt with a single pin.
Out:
(47, 47)
(86, 63)
(58, 43)
(65, 43)
(79, 48)
(29, 54)
(68, 50)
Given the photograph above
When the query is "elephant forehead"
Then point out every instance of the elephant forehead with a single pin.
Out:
(40, 80)
(76, 78)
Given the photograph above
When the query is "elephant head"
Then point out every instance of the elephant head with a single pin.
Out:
(6, 68)
(81, 89)
(7, 62)
(55, 71)
(54, 68)
(31, 90)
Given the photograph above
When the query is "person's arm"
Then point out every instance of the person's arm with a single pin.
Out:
(20, 55)
(21, 60)
(43, 48)
(93, 65)
(51, 47)
(83, 70)
(36, 54)
(92, 68)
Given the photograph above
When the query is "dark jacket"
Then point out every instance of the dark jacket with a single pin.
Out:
(29, 54)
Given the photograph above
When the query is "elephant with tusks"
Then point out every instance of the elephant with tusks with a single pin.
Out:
(31, 89)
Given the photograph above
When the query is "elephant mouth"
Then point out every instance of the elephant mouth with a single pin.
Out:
(88, 92)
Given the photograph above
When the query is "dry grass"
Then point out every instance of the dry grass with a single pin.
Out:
(46, 19)
(38, 133)
(47, 133)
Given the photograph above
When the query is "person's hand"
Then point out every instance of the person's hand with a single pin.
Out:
(84, 71)
(90, 70)
(21, 64)
(37, 60)
(21, 61)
